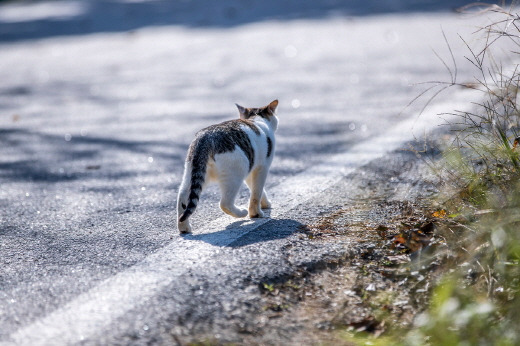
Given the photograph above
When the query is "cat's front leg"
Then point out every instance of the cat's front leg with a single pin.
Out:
(256, 182)
(264, 202)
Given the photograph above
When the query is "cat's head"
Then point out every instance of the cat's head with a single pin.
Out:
(267, 112)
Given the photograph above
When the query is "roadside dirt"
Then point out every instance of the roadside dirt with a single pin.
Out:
(382, 286)
(384, 282)
(378, 288)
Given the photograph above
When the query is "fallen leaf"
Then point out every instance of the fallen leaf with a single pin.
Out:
(440, 214)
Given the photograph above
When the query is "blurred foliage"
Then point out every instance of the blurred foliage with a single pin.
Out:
(476, 300)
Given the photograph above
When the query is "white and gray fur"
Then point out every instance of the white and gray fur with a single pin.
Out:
(229, 153)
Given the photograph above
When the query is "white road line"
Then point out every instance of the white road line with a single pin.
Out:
(93, 311)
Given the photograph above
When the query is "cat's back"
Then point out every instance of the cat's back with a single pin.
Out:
(229, 127)
(224, 137)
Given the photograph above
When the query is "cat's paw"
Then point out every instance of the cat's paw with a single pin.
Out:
(257, 214)
(233, 211)
(265, 205)
(241, 213)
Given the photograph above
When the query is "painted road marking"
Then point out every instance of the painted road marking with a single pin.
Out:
(93, 311)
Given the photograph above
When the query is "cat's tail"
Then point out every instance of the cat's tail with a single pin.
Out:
(199, 159)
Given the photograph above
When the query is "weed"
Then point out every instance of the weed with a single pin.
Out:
(477, 222)
(478, 302)
(292, 285)
(268, 287)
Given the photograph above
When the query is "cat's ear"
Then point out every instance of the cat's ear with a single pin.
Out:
(272, 106)
(242, 111)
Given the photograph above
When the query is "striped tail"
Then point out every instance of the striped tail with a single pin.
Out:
(198, 176)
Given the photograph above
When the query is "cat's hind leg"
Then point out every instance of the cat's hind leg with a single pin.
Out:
(231, 173)
(229, 189)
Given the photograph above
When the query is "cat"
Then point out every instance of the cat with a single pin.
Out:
(229, 153)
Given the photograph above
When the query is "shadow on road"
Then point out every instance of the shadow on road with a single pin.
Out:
(30, 156)
(55, 18)
(271, 230)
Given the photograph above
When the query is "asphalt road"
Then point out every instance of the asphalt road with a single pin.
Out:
(95, 122)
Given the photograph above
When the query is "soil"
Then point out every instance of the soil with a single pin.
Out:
(383, 286)
(379, 288)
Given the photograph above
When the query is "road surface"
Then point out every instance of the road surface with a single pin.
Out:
(99, 101)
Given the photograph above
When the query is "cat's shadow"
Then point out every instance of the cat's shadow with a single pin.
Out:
(252, 233)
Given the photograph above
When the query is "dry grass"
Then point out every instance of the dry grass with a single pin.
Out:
(477, 301)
